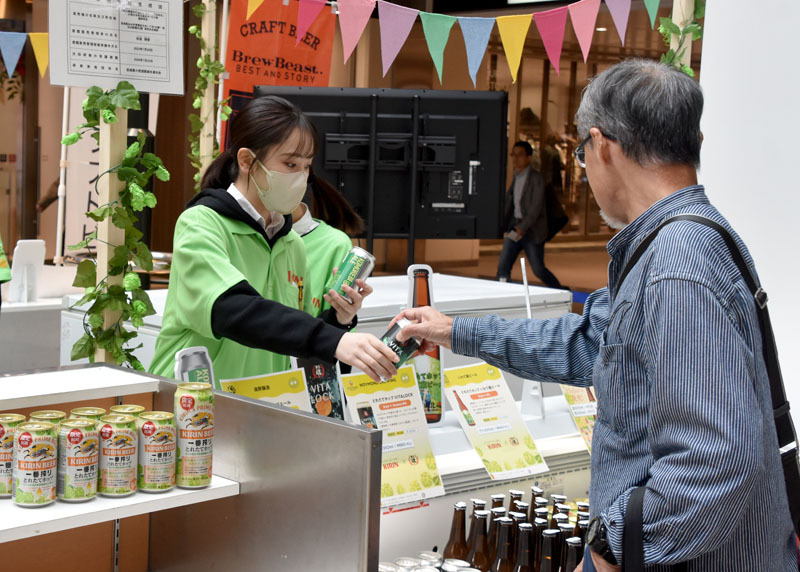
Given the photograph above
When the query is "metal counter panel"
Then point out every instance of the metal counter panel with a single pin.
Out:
(309, 500)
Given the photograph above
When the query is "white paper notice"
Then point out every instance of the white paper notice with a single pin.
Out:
(101, 42)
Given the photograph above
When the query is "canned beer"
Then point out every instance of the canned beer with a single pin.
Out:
(94, 413)
(357, 264)
(194, 366)
(8, 424)
(134, 410)
(157, 442)
(194, 417)
(48, 416)
(118, 439)
(78, 456)
(35, 463)
(405, 349)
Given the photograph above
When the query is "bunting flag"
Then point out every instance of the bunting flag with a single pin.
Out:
(307, 12)
(620, 9)
(252, 6)
(652, 10)
(513, 30)
(476, 32)
(551, 25)
(353, 18)
(41, 50)
(437, 31)
(584, 16)
(11, 46)
(395, 22)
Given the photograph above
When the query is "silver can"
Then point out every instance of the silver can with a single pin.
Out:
(357, 264)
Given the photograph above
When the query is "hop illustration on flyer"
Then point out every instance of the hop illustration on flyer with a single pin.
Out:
(408, 467)
(489, 416)
(286, 388)
(583, 408)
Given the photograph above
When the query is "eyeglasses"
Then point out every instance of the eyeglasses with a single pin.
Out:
(580, 150)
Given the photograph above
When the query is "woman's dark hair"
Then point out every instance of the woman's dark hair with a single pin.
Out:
(260, 125)
(329, 205)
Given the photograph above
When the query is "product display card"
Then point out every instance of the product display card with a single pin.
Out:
(287, 388)
(101, 42)
(409, 470)
(324, 389)
(583, 407)
(489, 416)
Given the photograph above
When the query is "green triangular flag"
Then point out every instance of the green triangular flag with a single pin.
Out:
(437, 32)
(652, 10)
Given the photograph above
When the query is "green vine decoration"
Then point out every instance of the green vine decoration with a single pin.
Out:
(209, 70)
(129, 299)
(667, 28)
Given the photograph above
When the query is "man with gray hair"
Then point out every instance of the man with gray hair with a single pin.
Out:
(672, 347)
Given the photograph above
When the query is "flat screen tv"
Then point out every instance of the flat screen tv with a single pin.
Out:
(413, 163)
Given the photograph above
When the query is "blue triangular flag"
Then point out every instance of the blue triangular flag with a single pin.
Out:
(476, 32)
(11, 45)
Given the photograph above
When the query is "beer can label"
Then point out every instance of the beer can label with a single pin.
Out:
(357, 264)
(404, 350)
(157, 452)
(35, 464)
(78, 460)
(8, 424)
(194, 417)
(118, 455)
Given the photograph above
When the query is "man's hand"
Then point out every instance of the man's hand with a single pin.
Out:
(345, 311)
(367, 353)
(429, 325)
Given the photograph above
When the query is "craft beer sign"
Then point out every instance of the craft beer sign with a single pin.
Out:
(101, 42)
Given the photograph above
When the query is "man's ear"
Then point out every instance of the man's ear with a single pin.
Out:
(601, 145)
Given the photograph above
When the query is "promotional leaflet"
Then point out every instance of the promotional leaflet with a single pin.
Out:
(287, 388)
(324, 389)
(394, 407)
(489, 416)
(583, 407)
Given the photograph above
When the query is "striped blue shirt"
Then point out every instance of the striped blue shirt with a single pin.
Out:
(683, 395)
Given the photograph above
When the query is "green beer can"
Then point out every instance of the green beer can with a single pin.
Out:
(357, 264)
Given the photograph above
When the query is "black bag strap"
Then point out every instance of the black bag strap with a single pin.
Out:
(633, 543)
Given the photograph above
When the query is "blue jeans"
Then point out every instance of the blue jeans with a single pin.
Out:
(535, 254)
(588, 565)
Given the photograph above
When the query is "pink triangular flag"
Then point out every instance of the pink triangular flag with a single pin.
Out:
(353, 18)
(584, 16)
(307, 12)
(551, 25)
(395, 22)
(620, 10)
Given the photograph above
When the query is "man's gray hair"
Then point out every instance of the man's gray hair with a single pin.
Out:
(652, 110)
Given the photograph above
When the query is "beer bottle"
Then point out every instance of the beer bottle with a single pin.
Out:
(557, 519)
(518, 518)
(541, 512)
(526, 551)
(503, 560)
(566, 532)
(464, 411)
(513, 496)
(539, 526)
(522, 506)
(563, 508)
(536, 492)
(498, 500)
(428, 366)
(478, 555)
(583, 506)
(457, 544)
(558, 499)
(491, 536)
(477, 504)
(548, 562)
(538, 502)
(574, 553)
(583, 527)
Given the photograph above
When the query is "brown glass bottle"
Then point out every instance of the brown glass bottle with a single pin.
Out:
(583, 506)
(558, 499)
(539, 526)
(477, 504)
(514, 495)
(583, 527)
(498, 500)
(428, 365)
(548, 562)
(522, 506)
(536, 492)
(497, 515)
(566, 532)
(574, 554)
(557, 519)
(503, 560)
(478, 555)
(456, 546)
(526, 549)
(518, 518)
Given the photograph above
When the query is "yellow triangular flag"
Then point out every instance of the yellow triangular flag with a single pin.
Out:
(513, 30)
(252, 6)
(41, 50)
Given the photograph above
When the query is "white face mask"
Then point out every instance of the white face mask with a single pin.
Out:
(284, 190)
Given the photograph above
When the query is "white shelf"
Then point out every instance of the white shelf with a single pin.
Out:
(19, 522)
(53, 387)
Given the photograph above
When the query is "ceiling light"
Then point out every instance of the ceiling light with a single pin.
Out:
(601, 29)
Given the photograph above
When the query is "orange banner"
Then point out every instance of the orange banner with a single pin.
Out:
(262, 50)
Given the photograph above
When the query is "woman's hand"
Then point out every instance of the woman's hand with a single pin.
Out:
(346, 311)
(367, 353)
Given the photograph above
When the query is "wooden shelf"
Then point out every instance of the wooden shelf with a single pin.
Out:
(18, 522)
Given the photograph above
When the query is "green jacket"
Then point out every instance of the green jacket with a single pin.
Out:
(326, 247)
(5, 271)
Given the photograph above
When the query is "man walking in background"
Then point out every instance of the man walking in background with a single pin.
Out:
(525, 218)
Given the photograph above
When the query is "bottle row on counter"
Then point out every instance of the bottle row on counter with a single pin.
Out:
(74, 458)
(536, 536)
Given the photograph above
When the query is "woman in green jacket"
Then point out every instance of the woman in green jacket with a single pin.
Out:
(239, 270)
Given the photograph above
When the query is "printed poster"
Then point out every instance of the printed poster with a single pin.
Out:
(409, 471)
(489, 416)
(324, 389)
(583, 407)
(287, 388)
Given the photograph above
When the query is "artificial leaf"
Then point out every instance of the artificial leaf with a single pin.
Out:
(122, 219)
(143, 257)
(109, 116)
(150, 200)
(132, 236)
(699, 9)
(162, 174)
(195, 122)
(669, 26)
(100, 214)
(141, 296)
(96, 321)
(125, 96)
(86, 275)
(127, 173)
(70, 139)
(119, 261)
(687, 70)
(85, 242)
(83, 348)
(151, 161)
(132, 150)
